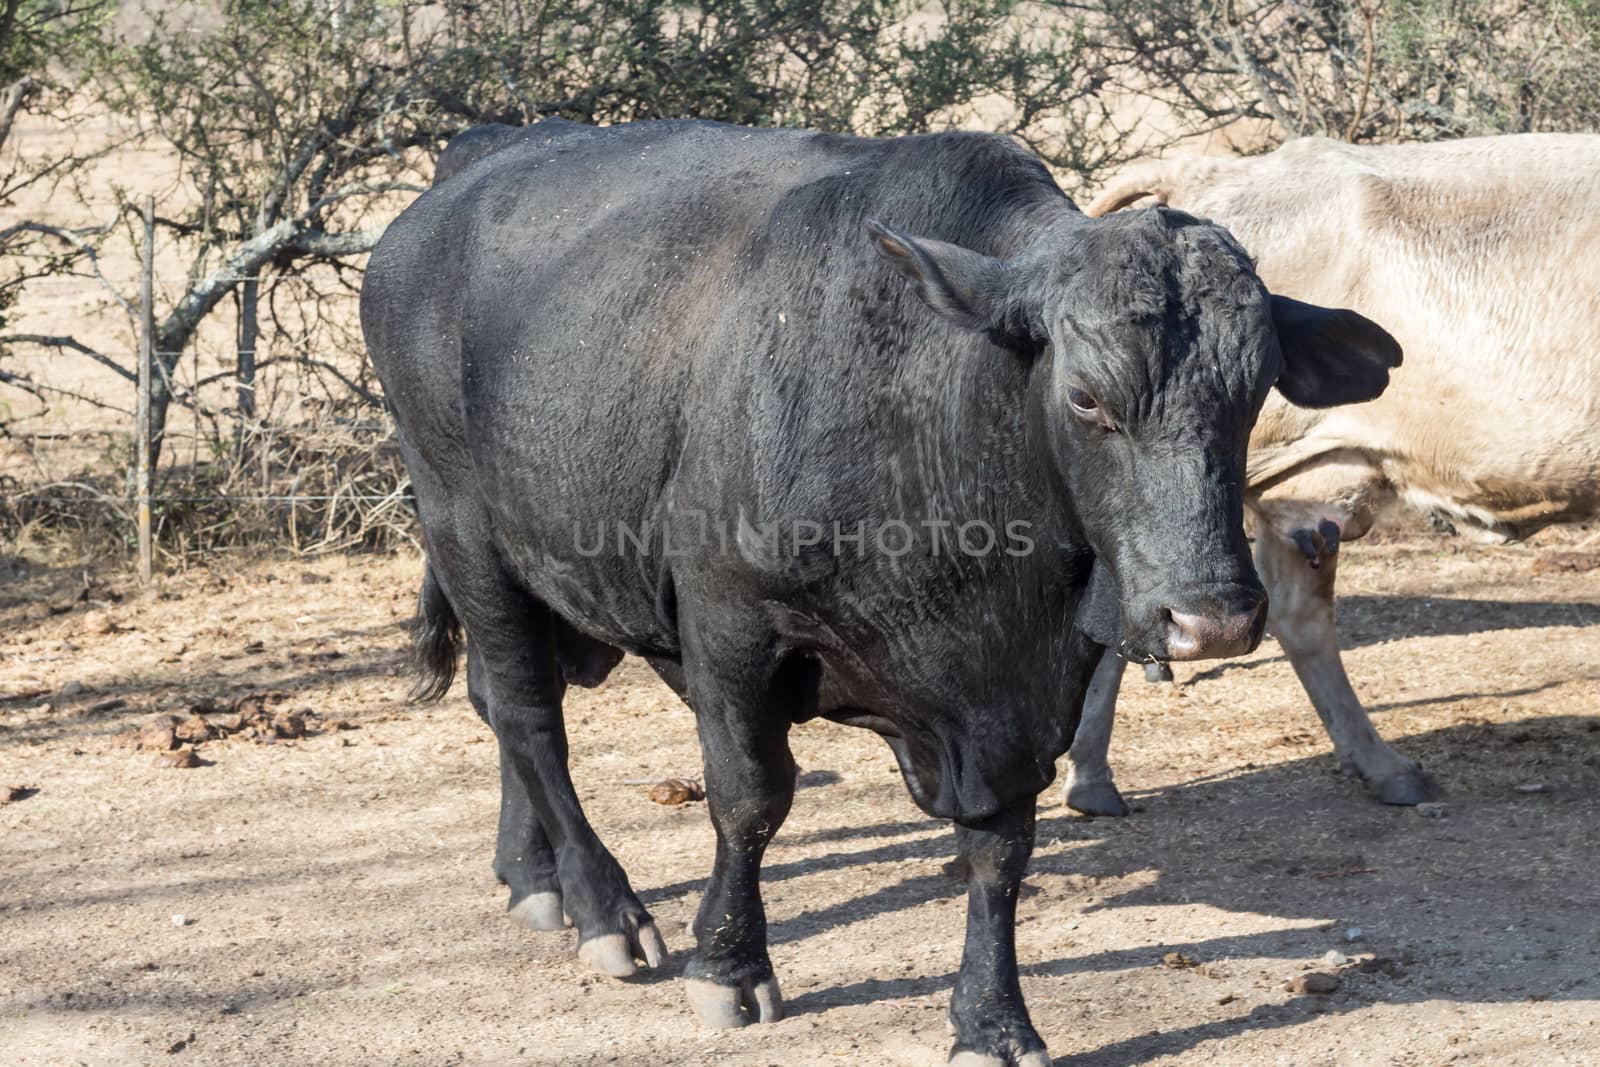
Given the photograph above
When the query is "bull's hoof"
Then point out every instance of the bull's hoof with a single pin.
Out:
(540, 911)
(616, 954)
(1096, 798)
(1014, 1057)
(992, 1030)
(1407, 788)
(1158, 672)
(723, 1007)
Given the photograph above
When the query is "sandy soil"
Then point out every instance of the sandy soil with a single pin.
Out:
(338, 906)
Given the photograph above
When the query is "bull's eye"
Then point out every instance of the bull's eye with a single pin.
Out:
(1086, 407)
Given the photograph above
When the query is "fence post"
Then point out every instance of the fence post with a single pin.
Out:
(147, 332)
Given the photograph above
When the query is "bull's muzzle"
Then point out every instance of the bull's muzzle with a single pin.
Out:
(1212, 634)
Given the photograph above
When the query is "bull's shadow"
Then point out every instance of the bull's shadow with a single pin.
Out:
(1491, 902)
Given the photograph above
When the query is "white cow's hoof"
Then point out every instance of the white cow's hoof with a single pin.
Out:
(1096, 798)
(1407, 788)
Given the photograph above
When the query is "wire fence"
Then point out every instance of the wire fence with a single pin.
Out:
(274, 432)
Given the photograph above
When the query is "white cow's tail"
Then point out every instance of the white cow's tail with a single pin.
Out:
(1156, 178)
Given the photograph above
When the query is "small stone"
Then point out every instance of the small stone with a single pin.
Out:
(289, 724)
(99, 623)
(1314, 982)
(72, 689)
(1381, 965)
(160, 734)
(1178, 961)
(1353, 934)
(1532, 787)
(194, 729)
(181, 920)
(181, 759)
(13, 793)
(674, 791)
(1227, 998)
(100, 708)
(1431, 809)
(1334, 958)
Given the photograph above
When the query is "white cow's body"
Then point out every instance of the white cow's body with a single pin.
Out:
(1477, 255)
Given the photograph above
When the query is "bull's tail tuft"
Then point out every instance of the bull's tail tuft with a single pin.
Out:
(435, 642)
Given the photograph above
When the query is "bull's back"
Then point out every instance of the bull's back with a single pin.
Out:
(663, 315)
(603, 321)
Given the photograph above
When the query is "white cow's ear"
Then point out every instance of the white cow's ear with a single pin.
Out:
(965, 287)
(1331, 356)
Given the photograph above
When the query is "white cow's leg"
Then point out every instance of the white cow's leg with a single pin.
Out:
(1300, 615)
(1090, 789)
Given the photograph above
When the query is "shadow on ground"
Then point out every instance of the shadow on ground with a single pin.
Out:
(1490, 901)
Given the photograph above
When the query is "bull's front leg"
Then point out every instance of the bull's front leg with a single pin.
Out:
(743, 719)
(991, 1022)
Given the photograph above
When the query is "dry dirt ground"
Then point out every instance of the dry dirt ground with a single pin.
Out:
(337, 905)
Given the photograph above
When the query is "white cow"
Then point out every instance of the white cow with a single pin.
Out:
(1479, 257)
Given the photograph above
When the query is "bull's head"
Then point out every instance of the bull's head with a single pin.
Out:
(1157, 344)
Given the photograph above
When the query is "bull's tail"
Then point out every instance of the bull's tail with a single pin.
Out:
(435, 641)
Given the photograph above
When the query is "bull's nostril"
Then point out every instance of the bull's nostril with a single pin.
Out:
(1183, 634)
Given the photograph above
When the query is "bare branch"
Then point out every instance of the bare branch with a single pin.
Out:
(48, 341)
(11, 98)
(76, 239)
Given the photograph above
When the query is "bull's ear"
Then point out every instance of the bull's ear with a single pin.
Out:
(1331, 355)
(967, 288)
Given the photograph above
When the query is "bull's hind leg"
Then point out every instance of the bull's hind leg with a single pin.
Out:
(515, 672)
(744, 701)
(990, 1020)
(1301, 616)
(523, 859)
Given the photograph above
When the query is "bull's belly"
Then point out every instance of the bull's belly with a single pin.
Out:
(567, 556)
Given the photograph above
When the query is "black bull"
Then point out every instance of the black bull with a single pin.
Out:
(671, 389)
